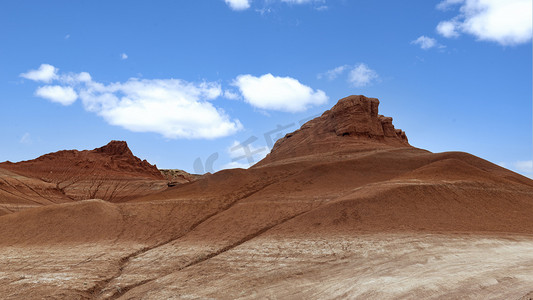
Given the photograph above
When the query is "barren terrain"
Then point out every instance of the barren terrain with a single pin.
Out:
(344, 207)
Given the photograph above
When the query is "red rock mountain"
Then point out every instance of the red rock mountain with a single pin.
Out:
(110, 172)
(113, 159)
(352, 124)
(342, 208)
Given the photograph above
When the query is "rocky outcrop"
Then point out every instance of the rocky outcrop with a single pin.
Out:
(358, 115)
(351, 125)
(118, 148)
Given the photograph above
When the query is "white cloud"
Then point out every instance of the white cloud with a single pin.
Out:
(238, 4)
(123, 56)
(74, 78)
(278, 93)
(359, 75)
(171, 107)
(333, 73)
(448, 29)
(425, 42)
(59, 94)
(231, 95)
(362, 75)
(507, 22)
(45, 73)
(446, 4)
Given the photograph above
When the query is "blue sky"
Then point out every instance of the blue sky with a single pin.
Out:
(186, 82)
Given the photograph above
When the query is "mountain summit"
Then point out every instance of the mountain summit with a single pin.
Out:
(115, 148)
(358, 116)
(353, 124)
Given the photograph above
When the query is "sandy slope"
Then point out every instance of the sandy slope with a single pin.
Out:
(206, 227)
(19, 192)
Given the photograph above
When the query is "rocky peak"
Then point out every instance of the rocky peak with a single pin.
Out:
(115, 148)
(352, 124)
(358, 115)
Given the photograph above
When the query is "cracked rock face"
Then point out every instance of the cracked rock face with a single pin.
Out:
(351, 125)
(358, 115)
